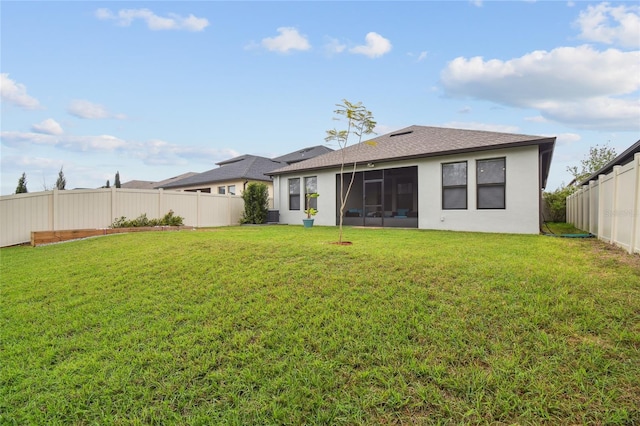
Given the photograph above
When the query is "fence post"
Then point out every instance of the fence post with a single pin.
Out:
(114, 204)
(198, 201)
(592, 206)
(614, 219)
(635, 213)
(160, 200)
(56, 209)
(600, 205)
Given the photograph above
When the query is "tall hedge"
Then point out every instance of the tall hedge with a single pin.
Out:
(256, 203)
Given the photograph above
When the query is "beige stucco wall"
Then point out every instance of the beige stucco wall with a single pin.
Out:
(521, 214)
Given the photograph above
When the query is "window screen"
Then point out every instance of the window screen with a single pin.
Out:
(311, 187)
(491, 183)
(294, 194)
(454, 186)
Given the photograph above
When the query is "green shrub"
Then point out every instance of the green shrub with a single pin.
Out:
(557, 203)
(170, 219)
(256, 203)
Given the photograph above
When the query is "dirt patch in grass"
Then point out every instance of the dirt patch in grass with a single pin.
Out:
(609, 253)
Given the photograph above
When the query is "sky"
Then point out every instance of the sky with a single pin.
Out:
(156, 89)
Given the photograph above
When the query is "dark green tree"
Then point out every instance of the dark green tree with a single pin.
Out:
(108, 184)
(61, 183)
(22, 184)
(116, 183)
(256, 203)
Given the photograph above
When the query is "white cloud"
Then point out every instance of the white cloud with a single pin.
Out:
(375, 46)
(576, 85)
(476, 3)
(567, 138)
(289, 39)
(125, 17)
(502, 128)
(422, 56)
(150, 152)
(48, 127)
(464, 110)
(16, 93)
(334, 46)
(88, 110)
(607, 24)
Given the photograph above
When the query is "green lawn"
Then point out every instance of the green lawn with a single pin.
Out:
(275, 325)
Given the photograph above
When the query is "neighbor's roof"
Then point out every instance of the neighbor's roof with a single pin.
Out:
(246, 167)
(423, 141)
(303, 154)
(249, 167)
(147, 184)
(620, 160)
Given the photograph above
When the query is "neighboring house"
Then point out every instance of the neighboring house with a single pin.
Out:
(235, 174)
(427, 178)
(147, 184)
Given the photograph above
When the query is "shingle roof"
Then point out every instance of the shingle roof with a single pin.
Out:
(422, 141)
(250, 167)
(303, 154)
(147, 184)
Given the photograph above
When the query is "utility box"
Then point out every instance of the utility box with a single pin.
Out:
(273, 216)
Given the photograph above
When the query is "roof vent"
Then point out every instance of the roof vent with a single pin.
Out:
(401, 133)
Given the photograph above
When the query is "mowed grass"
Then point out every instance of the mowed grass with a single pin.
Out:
(276, 325)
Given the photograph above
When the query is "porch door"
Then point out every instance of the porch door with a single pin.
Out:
(373, 202)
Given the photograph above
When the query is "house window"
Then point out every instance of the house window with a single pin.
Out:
(491, 183)
(232, 189)
(294, 194)
(311, 187)
(221, 190)
(454, 186)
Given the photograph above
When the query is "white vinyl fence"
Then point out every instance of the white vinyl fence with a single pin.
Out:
(55, 210)
(609, 207)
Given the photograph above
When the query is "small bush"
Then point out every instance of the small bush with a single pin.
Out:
(256, 203)
(170, 219)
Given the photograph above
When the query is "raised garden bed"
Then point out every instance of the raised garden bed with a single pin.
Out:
(47, 237)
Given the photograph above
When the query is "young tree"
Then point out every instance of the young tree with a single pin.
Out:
(116, 183)
(598, 157)
(61, 183)
(557, 200)
(108, 185)
(359, 122)
(256, 203)
(22, 184)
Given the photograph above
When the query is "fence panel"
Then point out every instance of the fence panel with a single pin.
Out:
(610, 207)
(55, 210)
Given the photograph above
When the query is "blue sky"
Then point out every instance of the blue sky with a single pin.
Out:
(157, 89)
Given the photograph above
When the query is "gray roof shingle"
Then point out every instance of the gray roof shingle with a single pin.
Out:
(250, 167)
(421, 141)
(303, 154)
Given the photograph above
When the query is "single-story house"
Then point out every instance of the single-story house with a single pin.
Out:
(232, 176)
(425, 177)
